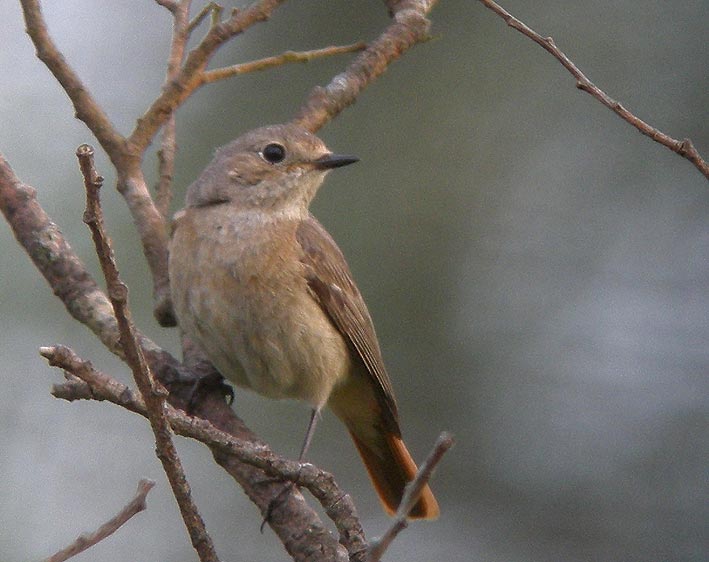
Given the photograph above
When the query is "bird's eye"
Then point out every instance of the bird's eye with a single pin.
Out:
(273, 153)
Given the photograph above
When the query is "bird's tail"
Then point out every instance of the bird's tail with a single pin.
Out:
(391, 467)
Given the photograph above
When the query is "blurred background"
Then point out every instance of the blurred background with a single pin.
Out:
(537, 271)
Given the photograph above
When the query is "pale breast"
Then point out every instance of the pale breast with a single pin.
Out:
(239, 292)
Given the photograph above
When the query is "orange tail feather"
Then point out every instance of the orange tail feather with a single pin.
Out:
(391, 468)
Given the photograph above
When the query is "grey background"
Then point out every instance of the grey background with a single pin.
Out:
(537, 271)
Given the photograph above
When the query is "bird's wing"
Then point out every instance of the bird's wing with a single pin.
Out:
(332, 286)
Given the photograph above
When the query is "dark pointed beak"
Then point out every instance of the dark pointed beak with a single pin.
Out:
(334, 161)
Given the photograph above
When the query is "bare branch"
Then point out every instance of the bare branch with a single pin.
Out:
(55, 259)
(131, 182)
(153, 393)
(188, 80)
(337, 504)
(85, 541)
(209, 76)
(166, 170)
(168, 145)
(213, 9)
(409, 27)
(684, 148)
(85, 106)
(413, 490)
(170, 5)
(86, 383)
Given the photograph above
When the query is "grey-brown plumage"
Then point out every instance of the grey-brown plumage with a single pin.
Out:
(260, 285)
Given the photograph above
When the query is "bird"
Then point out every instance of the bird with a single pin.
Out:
(265, 292)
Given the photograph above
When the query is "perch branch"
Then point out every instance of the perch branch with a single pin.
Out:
(337, 504)
(411, 495)
(153, 393)
(209, 76)
(86, 541)
(684, 148)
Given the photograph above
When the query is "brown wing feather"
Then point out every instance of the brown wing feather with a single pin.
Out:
(332, 286)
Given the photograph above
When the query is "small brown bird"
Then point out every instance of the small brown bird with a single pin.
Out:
(266, 293)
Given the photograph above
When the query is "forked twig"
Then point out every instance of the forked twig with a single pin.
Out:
(213, 9)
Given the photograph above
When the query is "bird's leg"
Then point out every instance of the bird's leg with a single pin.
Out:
(275, 502)
(314, 417)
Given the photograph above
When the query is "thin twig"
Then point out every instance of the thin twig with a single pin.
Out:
(409, 27)
(411, 495)
(96, 385)
(213, 9)
(87, 540)
(684, 148)
(163, 310)
(152, 392)
(65, 273)
(209, 76)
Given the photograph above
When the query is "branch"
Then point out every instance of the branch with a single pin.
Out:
(181, 83)
(166, 172)
(55, 259)
(684, 148)
(131, 183)
(168, 146)
(188, 79)
(213, 9)
(85, 541)
(411, 495)
(86, 108)
(153, 394)
(409, 27)
(336, 503)
(297, 526)
(209, 76)
(170, 5)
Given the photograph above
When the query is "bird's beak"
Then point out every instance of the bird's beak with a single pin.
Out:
(331, 160)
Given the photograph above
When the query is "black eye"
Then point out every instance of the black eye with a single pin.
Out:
(274, 153)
